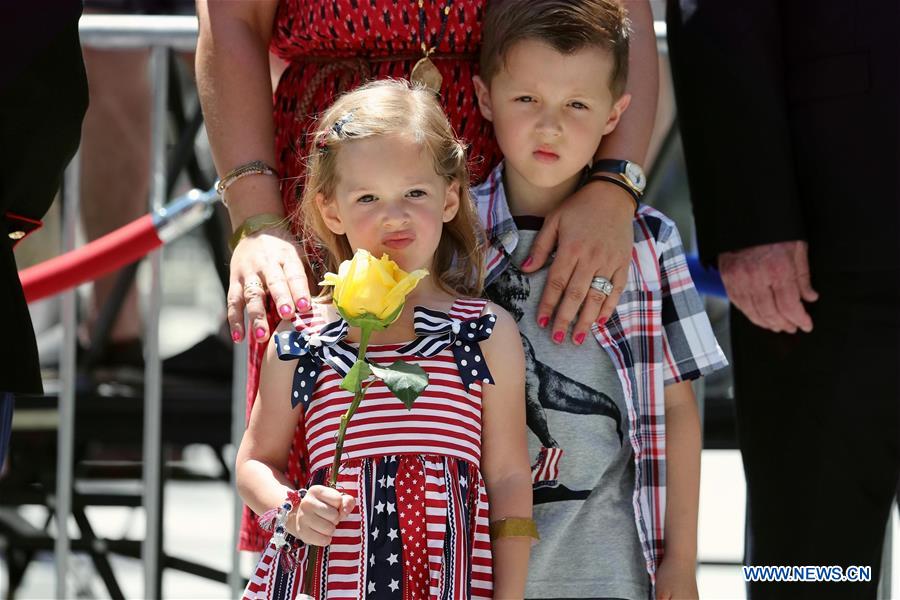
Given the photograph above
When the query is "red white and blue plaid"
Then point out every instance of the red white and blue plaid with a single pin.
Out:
(658, 335)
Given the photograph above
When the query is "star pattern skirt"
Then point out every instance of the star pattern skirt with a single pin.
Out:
(419, 531)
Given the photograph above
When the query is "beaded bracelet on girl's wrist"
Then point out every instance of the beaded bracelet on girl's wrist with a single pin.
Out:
(274, 519)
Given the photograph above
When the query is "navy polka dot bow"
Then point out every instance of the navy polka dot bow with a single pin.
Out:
(435, 331)
(313, 350)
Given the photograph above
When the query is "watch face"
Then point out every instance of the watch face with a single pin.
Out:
(636, 175)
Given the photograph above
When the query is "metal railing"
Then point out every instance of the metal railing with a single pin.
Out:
(160, 34)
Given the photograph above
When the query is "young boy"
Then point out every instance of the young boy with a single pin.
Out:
(613, 421)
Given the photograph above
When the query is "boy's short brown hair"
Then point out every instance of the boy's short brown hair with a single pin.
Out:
(566, 25)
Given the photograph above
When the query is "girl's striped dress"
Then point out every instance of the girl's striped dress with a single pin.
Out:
(420, 526)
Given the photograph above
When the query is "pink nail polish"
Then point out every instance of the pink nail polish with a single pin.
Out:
(542, 322)
(260, 332)
(236, 336)
(302, 304)
(602, 321)
(558, 337)
(579, 338)
(285, 310)
(527, 262)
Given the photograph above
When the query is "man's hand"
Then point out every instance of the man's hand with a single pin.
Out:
(593, 235)
(267, 262)
(767, 284)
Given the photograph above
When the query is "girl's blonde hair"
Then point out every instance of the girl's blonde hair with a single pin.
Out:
(388, 107)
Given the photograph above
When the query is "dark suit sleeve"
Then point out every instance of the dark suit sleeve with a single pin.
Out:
(43, 98)
(729, 79)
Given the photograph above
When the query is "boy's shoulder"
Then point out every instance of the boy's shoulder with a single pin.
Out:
(657, 249)
(489, 198)
(491, 183)
(652, 225)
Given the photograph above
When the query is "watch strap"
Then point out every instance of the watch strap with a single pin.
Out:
(631, 191)
(608, 165)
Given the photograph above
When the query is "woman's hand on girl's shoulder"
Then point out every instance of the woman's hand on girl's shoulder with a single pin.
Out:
(265, 263)
(316, 518)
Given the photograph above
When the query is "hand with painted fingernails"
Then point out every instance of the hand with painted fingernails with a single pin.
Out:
(265, 263)
(592, 235)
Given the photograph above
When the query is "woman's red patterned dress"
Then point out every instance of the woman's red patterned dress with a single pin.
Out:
(334, 45)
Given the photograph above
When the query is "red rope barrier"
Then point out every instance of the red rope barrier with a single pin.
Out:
(114, 250)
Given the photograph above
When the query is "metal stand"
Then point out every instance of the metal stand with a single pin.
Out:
(66, 435)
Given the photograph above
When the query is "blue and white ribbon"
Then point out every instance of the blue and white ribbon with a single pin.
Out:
(313, 350)
(435, 331)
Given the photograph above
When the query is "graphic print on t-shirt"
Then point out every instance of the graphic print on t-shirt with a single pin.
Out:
(548, 389)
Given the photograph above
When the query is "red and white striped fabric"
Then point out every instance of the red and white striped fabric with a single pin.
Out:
(420, 528)
(545, 470)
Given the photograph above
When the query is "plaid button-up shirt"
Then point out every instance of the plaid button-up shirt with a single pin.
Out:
(658, 335)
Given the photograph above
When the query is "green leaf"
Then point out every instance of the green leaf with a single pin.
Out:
(355, 376)
(405, 380)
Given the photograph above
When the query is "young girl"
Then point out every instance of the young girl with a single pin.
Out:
(421, 492)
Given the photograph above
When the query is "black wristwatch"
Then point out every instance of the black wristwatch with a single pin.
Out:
(630, 172)
(627, 175)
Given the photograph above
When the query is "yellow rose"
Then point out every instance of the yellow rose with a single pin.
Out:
(366, 286)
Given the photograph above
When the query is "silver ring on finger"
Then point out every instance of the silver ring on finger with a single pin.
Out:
(602, 285)
(248, 285)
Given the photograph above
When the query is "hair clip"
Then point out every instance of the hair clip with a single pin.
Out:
(338, 126)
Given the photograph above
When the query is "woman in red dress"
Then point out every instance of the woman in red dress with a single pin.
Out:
(333, 45)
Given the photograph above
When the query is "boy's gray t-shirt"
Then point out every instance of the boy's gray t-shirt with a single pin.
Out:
(578, 439)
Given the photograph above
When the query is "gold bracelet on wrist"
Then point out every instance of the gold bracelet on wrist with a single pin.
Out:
(255, 224)
(514, 527)
(256, 167)
(618, 181)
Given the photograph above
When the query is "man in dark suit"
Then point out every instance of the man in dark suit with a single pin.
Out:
(790, 117)
(43, 97)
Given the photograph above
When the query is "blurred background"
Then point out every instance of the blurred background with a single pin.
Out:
(191, 550)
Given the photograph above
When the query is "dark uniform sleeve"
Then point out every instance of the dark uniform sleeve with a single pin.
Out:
(729, 77)
(43, 98)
